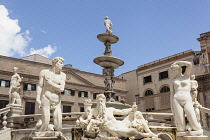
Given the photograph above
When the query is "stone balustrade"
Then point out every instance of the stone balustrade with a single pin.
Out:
(4, 112)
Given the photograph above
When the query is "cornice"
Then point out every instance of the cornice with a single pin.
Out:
(165, 60)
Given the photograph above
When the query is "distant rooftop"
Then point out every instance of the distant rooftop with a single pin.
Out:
(38, 58)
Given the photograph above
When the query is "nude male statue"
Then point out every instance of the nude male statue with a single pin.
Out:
(108, 24)
(51, 84)
(14, 91)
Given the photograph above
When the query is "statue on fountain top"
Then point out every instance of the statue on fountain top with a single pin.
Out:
(108, 24)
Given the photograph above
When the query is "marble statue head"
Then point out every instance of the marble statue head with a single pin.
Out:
(192, 77)
(15, 69)
(58, 62)
(106, 17)
(176, 69)
(101, 98)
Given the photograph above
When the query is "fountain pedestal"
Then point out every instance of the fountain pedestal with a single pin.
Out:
(109, 63)
(193, 138)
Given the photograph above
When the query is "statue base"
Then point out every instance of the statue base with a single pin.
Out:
(101, 138)
(47, 134)
(46, 138)
(15, 110)
(190, 133)
(193, 138)
(151, 139)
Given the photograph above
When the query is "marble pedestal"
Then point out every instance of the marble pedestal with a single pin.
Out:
(115, 138)
(46, 138)
(101, 138)
(15, 110)
(151, 139)
(193, 138)
(48, 135)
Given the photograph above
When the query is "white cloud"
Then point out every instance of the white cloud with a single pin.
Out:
(13, 41)
(46, 51)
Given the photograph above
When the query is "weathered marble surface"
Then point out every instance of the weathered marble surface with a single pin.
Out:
(14, 91)
(51, 84)
(184, 103)
(134, 126)
(108, 24)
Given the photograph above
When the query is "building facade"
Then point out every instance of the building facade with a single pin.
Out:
(150, 84)
(79, 86)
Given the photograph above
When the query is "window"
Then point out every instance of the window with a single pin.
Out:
(137, 99)
(83, 94)
(163, 75)
(68, 92)
(150, 109)
(3, 104)
(82, 109)
(95, 95)
(29, 109)
(66, 109)
(164, 89)
(5, 83)
(27, 86)
(147, 79)
(148, 93)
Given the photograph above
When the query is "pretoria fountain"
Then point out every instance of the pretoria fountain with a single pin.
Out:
(99, 121)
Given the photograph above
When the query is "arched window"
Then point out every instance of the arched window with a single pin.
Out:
(148, 93)
(164, 89)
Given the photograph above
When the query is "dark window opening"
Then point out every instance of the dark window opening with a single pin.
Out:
(29, 109)
(83, 94)
(164, 89)
(27, 86)
(147, 79)
(95, 95)
(4, 83)
(82, 109)
(163, 75)
(150, 109)
(148, 93)
(137, 99)
(66, 109)
(68, 92)
(3, 103)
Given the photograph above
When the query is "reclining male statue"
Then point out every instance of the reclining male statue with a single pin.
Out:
(134, 126)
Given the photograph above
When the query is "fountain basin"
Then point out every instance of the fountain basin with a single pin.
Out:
(108, 62)
(107, 37)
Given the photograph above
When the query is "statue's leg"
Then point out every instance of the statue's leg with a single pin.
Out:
(13, 98)
(57, 117)
(191, 116)
(179, 116)
(17, 97)
(45, 105)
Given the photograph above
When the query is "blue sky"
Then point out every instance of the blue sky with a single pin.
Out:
(148, 29)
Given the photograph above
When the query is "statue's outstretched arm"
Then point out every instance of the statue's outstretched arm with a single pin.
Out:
(122, 112)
